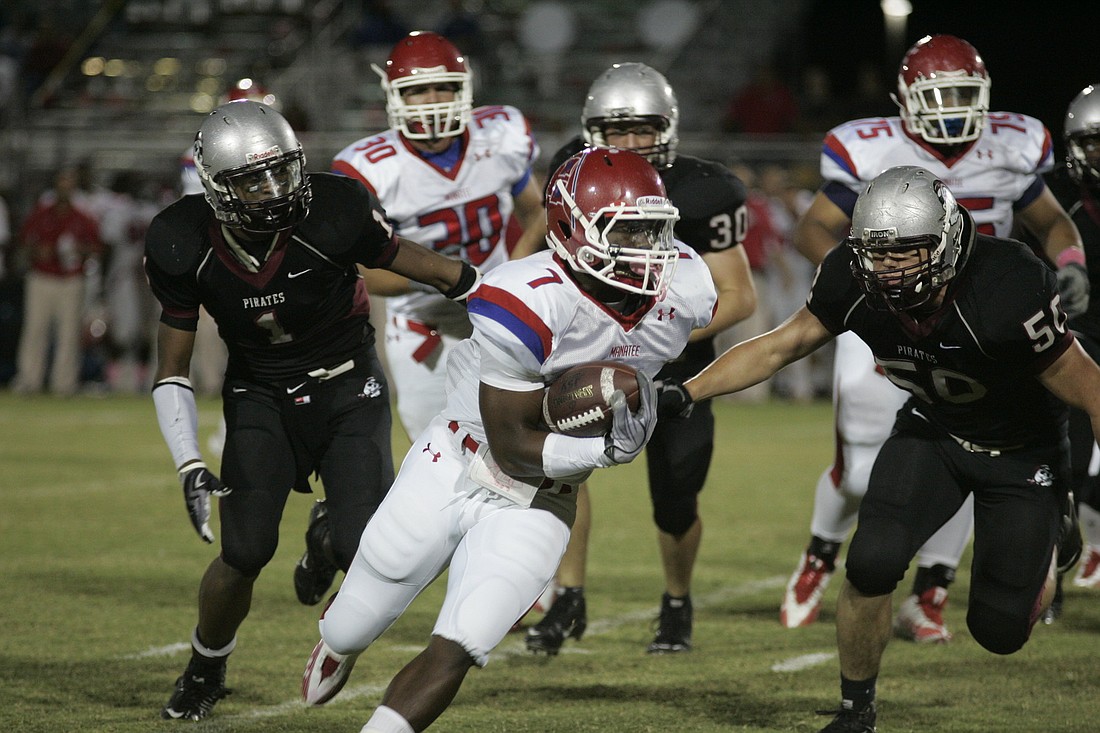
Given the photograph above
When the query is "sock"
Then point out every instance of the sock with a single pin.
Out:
(203, 652)
(856, 694)
(936, 576)
(387, 720)
(678, 602)
(825, 551)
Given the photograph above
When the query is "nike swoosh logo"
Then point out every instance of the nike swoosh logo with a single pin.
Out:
(238, 390)
(945, 346)
(292, 275)
(292, 390)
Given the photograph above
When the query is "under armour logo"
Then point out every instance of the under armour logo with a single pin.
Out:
(1043, 476)
(662, 314)
(987, 153)
(371, 389)
(435, 456)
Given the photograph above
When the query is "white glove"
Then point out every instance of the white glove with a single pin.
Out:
(1073, 287)
(629, 433)
(198, 484)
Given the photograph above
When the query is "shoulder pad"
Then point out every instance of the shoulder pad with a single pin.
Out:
(177, 239)
(700, 188)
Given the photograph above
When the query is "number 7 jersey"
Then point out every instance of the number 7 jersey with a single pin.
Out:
(998, 173)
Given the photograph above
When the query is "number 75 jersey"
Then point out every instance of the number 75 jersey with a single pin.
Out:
(995, 174)
(971, 366)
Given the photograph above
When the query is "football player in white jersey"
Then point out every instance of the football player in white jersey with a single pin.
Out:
(993, 162)
(486, 489)
(449, 176)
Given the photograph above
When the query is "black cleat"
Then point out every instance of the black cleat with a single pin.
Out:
(567, 618)
(197, 689)
(314, 573)
(850, 721)
(673, 627)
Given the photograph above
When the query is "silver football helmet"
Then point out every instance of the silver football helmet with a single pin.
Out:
(906, 209)
(1082, 136)
(252, 167)
(633, 93)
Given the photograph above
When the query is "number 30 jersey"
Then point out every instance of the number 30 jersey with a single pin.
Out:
(971, 366)
(462, 211)
(998, 173)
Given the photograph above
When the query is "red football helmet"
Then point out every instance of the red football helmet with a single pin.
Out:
(419, 59)
(607, 215)
(943, 90)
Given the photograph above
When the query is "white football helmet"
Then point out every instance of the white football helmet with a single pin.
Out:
(633, 93)
(419, 59)
(1082, 136)
(943, 90)
(906, 208)
(252, 167)
(607, 215)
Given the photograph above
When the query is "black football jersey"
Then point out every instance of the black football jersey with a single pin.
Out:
(713, 215)
(971, 366)
(304, 308)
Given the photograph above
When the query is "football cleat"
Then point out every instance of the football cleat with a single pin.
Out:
(1088, 572)
(850, 721)
(567, 618)
(326, 674)
(673, 626)
(1054, 611)
(314, 573)
(920, 619)
(197, 690)
(802, 599)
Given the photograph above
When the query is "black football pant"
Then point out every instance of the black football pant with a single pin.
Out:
(278, 434)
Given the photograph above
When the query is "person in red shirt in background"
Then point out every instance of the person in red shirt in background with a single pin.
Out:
(763, 106)
(56, 241)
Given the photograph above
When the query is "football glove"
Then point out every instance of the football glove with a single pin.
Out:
(198, 484)
(630, 432)
(1073, 287)
(673, 401)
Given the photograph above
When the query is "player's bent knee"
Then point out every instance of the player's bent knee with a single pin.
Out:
(675, 517)
(248, 561)
(874, 572)
(998, 632)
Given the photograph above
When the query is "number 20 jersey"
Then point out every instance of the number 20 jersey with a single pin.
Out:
(971, 366)
(998, 173)
(461, 212)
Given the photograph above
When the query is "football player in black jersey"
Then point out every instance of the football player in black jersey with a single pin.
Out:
(1077, 187)
(972, 327)
(632, 106)
(271, 252)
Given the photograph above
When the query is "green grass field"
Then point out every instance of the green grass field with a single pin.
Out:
(101, 567)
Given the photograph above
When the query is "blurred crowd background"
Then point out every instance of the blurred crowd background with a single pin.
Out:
(99, 100)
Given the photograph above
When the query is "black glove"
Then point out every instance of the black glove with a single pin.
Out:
(198, 484)
(673, 401)
(630, 432)
(1073, 287)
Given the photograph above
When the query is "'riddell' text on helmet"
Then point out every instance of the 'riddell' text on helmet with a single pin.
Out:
(608, 216)
(906, 210)
(252, 167)
(424, 59)
(633, 93)
(943, 90)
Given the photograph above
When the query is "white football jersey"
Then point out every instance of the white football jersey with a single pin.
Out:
(998, 171)
(536, 323)
(463, 212)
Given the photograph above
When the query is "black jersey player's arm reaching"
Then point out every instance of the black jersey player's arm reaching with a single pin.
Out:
(272, 252)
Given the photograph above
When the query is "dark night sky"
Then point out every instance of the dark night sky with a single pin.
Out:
(1039, 57)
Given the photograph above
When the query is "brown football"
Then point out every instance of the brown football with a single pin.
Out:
(576, 403)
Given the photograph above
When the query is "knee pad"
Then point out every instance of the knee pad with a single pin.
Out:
(995, 630)
(247, 561)
(674, 515)
(876, 569)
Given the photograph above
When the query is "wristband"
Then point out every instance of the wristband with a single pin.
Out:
(468, 281)
(1070, 256)
(178, 418)
(564, 456)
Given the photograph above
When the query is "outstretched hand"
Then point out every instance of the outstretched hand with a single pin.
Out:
(199, 483)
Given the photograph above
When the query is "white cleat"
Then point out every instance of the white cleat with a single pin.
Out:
(326, 673)
(1088, 570)
(920, 619)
